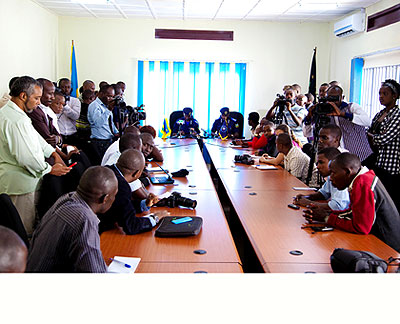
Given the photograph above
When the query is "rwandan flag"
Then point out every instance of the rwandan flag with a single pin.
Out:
(165, 130)
(74, 74)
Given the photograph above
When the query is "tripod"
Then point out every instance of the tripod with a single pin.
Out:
(320, 121)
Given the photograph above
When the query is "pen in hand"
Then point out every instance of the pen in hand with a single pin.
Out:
(120, 262)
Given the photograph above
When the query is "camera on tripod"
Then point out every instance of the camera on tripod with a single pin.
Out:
(245, 159)
(281, 102)
(176, 200)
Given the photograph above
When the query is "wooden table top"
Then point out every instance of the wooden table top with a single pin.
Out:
(215, 237)
(170, 267)
(274, 230)
(259, 180)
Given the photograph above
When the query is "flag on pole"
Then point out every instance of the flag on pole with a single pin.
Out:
(74, 74)
(165, 130)
(312, 88)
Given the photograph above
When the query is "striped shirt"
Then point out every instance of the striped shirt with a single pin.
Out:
(297, 163)
(387, 139)
(67, 239)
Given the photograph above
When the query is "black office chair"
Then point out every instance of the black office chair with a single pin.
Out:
(10, 218)
(239, 119)
(175, 115)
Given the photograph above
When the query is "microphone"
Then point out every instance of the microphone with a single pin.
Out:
(169, 177)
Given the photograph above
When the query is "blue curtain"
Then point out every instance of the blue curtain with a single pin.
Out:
(205, 87)
(357, 65)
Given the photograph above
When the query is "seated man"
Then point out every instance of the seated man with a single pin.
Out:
(295, 161)
(129, 141)
(114, 147)
(225, 126)
(253, 122)
(147, 145)
(67, 238)
(123, 211)
(13, 251)
(264, 139)
(186, 126)
(371, 208)
(338, 199)
(330, 136)
(156, 153)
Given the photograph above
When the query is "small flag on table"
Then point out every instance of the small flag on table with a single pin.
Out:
(165, 130)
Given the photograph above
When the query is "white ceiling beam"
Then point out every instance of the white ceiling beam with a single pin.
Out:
(251, 10)
(116, 5)
(151, 9)
(220, 5)
(88, 10)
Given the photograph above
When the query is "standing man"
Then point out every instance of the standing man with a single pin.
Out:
(87, 85)
(23, 150)
(100, 118)
(351, 119)
(69, 115)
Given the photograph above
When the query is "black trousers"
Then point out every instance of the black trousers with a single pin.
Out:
(391, 183)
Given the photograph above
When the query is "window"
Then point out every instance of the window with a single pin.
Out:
(206, 87)
(371, 83)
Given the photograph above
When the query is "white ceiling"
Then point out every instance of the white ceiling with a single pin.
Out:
(271, 10)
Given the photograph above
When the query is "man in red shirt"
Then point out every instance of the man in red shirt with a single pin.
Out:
(371, 208)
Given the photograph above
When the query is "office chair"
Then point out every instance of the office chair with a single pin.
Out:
(10, 218)
(175, 115)
(239, 119)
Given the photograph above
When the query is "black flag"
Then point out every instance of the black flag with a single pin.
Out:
(312, 87)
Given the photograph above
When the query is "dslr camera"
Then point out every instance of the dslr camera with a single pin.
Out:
(245, 159)
(176, 200)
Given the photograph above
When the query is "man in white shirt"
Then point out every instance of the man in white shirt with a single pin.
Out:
(69, 115)
(23, 150)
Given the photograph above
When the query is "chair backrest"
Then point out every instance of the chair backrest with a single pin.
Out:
(240, 120)
(10, 218)
(175, 115)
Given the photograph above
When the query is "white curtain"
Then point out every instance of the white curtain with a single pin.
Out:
(371, 83)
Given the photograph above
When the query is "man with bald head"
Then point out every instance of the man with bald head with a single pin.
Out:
(129, 167)
(13, 251)
(67, 238)
(371, 208)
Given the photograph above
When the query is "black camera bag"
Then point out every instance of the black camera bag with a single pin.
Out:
(350, 261)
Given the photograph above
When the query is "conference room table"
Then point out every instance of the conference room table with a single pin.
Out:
(260, 199)
(212, 250)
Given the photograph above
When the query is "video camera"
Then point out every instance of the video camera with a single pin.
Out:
(134, 114)
(245, 159)
(323, 107)
(281, 102)
(175, 200)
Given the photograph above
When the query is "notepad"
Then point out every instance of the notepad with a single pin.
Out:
(117, 267)
(264, 167)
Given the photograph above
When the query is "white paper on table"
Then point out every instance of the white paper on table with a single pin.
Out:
(264, 167)
(305, 188)
(116, 267)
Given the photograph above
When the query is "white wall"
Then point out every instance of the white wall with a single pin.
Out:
(344, 49)
(29, 36)
(277, 53)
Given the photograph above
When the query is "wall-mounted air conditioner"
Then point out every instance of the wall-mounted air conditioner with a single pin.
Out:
(350, 25)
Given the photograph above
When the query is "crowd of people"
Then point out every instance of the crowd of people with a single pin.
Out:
(75, 167)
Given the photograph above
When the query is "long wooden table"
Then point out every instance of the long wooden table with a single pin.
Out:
(178, 254)
(260, 199)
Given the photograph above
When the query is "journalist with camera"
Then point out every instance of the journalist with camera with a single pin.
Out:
(186, 126)
(285, 111)
(350, 117)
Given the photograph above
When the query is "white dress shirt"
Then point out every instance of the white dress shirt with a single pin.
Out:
(67, 119)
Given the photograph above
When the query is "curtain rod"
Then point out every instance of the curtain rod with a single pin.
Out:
(393, 49)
